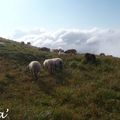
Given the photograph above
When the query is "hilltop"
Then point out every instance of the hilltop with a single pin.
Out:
(83, 92)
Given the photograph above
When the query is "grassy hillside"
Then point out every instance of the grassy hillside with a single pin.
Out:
(80, 92)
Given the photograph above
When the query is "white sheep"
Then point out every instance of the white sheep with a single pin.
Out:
(60, 53)
(52, 65)
(58, 63)
(35, 68)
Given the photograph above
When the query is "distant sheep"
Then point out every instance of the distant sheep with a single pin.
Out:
(71, 51)
(22, 43)
(53, 65)
(45, 49)
(35, 68)
(55, 50)
(61, 50)
(61, 53)
(90, 58)
(29, 43)
(102, 54)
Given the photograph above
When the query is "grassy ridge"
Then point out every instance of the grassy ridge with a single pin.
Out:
(83, 91)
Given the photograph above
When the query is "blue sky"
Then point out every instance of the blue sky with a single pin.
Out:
(56, 14)
(86, 25)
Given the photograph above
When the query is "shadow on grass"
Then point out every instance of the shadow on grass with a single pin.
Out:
(49, 83)
(46, 87)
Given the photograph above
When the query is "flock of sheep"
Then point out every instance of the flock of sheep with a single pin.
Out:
(51, 65)
(55, 64)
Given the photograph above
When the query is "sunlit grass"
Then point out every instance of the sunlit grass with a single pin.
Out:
(80, 92)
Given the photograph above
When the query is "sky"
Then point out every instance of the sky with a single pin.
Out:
(55, 14)
(21, 19)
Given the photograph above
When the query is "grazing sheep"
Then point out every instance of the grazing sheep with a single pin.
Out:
(55, 50)
(35, 67)
(48, 65)
(90, 58)
(71, 51)
(45, 49)
(22, 43)
(58, 63)
(61, 50)
(52, 65)
(102, 54)
(61, 53)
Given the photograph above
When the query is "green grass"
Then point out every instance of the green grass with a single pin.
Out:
(80, 92)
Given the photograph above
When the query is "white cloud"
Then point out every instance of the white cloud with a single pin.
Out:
(92, 40)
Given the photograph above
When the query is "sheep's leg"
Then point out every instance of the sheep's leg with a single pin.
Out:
(36, 76)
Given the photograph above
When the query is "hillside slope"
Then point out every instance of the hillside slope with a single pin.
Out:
(82, 92)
